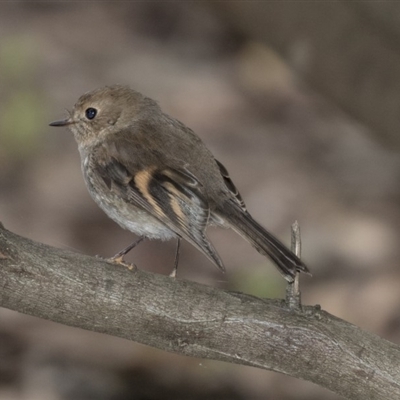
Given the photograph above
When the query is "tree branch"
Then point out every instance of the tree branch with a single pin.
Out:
(195, 320)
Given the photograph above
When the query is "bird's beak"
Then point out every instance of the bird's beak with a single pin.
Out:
(64, 122)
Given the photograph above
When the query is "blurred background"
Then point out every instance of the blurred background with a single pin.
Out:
(300, 101)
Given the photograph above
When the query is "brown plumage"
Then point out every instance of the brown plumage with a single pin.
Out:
(155, 177)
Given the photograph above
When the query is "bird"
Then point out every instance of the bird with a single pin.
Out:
(155, 177)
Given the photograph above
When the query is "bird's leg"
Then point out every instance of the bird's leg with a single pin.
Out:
(175, 270)
(119, 257)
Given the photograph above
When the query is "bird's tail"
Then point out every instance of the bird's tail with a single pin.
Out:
(263, 241)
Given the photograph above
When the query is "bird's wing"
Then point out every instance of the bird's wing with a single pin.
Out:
(173, 196)
(231, 186)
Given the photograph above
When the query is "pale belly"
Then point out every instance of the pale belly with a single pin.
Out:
(135, 220)
(128, 216)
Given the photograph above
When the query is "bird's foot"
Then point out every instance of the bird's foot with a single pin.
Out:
(120, 261)
(173, 273)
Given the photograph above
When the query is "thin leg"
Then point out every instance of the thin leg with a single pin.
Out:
(175, 270)
(119, 257)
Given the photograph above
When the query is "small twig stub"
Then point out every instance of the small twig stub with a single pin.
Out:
(293, 295)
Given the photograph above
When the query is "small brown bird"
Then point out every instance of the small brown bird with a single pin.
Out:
(155, 177)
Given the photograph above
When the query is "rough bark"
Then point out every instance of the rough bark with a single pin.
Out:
(195, 320)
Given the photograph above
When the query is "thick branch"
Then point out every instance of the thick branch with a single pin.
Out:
(195, 320)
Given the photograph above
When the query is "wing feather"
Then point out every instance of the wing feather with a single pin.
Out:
(173, 196)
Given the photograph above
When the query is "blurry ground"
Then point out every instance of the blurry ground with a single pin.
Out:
(292, 154)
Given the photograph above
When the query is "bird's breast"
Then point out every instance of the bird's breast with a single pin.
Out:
(128, 215)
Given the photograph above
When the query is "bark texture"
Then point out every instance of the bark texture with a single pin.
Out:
(195, 320)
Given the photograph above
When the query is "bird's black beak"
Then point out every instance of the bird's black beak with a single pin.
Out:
(64, 122)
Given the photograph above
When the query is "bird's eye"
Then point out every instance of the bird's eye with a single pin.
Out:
(90, 113)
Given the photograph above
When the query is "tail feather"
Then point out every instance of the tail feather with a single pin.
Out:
(264, 242)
